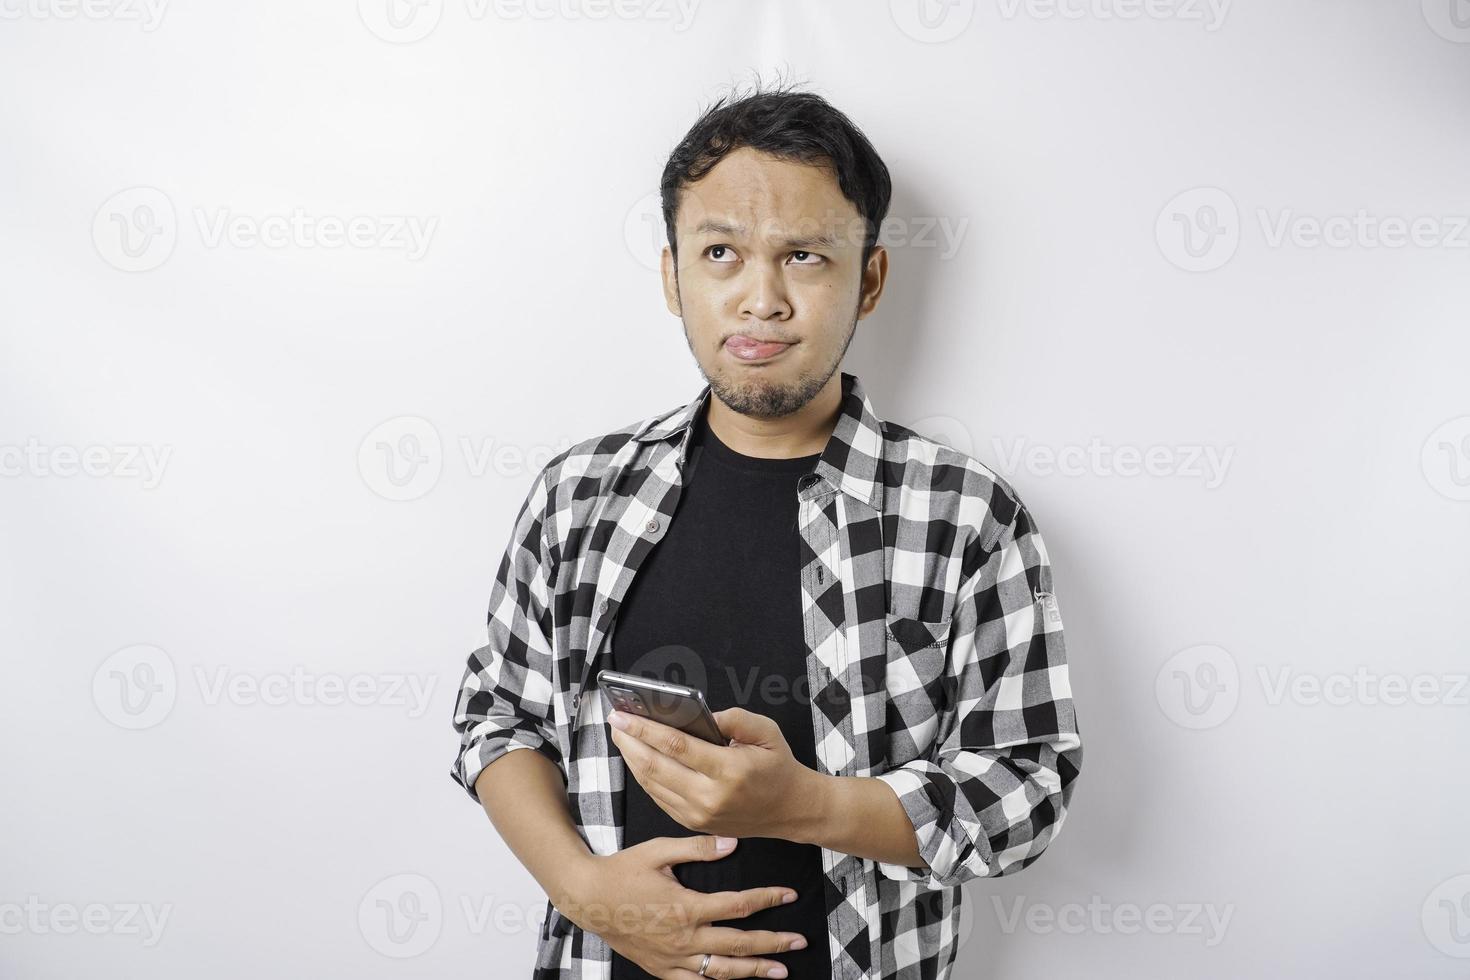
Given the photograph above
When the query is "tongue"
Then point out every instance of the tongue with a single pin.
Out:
(754, 348)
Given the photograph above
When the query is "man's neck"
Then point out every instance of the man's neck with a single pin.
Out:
(803, 433)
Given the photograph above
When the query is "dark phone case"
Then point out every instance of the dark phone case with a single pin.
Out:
(685, 710)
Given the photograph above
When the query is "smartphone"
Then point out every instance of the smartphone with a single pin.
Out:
(674, 705)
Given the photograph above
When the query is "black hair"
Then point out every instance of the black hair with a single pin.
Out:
(797, 126)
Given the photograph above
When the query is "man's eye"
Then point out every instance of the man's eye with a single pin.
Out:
(716, 248)
(817, 259)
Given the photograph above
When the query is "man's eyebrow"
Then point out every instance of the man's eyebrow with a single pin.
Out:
(712, 227)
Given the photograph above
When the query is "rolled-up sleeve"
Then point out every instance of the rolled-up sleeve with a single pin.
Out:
(505, 700)
(994, 792)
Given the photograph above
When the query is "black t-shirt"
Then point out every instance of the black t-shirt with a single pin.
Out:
(717, 605)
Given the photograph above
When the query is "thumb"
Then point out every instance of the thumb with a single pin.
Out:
(743, 726)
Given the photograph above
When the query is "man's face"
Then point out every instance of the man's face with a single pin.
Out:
(769, 250)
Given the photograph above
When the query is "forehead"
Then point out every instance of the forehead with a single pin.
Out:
(766, 196)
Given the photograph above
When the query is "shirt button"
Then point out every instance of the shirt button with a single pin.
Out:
(652, 525)
(576, 700)
(603, 607)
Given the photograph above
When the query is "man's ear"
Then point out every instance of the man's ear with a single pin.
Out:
(669, 267)
(875, 275)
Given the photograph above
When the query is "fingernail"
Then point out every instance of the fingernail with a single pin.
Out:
(798, 943)
(777, 971)
(617, 721)
(788, 898)
(724, 844)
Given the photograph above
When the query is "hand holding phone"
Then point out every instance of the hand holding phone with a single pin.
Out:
(674, 705)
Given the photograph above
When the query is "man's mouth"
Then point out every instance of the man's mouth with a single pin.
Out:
(747, 348)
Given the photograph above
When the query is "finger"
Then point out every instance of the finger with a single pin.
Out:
(745, 942)
(725, 967)
(726, 905)
(693, 753)
(745, 726)
(675, 806)
(652, 767)
(678, 850)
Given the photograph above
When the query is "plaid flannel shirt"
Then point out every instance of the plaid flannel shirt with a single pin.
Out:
(935, 662)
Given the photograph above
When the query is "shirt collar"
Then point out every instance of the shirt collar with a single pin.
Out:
(850, 460)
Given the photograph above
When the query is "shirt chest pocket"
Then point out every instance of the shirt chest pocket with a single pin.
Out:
(916, 683)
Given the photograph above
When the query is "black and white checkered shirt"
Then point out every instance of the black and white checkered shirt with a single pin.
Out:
(935, 663)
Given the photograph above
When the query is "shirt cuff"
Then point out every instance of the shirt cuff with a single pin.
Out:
(942, 841)
(479, 754)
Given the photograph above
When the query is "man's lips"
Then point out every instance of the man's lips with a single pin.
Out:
(748, 348)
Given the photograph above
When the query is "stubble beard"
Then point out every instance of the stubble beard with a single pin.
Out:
(759, 398)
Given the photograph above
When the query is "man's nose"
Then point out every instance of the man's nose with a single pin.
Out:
(765, 295)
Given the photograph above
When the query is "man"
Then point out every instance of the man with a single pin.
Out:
(871, 611)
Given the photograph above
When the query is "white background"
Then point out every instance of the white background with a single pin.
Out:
(1130, 193)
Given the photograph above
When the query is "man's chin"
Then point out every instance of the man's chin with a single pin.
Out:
(764, 398)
